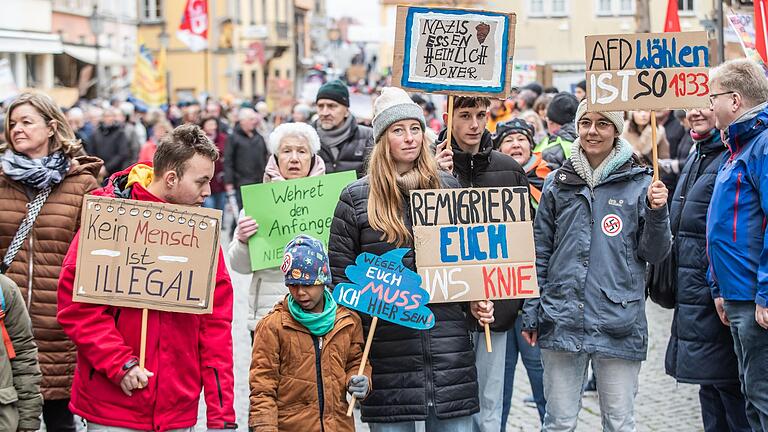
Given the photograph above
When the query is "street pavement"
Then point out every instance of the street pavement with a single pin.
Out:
(661, 405)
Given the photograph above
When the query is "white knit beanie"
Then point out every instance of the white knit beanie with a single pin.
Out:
(394, 105)
(615, 117)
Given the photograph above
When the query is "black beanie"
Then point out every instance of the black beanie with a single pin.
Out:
(334, 90)
(513, 126)
(562, 108)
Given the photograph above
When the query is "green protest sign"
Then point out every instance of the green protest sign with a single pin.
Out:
(287, 208)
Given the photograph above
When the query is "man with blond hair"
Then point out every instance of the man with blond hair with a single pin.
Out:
(736, 240)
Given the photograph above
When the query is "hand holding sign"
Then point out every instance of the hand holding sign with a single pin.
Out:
(383, 287)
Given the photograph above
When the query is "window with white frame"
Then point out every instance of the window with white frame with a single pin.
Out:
(151, 10)
(685, 7)
(614, 7)
(547, 8)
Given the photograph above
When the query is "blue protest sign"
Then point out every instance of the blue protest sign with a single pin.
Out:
(383, 287)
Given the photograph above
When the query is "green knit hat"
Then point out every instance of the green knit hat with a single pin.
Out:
(334, 90)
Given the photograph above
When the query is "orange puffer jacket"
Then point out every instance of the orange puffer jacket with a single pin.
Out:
(284, 373)
(37, 275)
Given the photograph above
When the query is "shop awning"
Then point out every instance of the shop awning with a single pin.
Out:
(29, 42)
(88, 55)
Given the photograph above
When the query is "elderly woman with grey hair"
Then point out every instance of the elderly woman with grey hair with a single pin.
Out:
(293, 151)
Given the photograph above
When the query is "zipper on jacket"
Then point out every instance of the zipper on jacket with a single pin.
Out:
(218, 387)
(31, 256)
(736, 205)
(429, 384)
(318, 343)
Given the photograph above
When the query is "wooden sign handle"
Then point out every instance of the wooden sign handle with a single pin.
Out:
(488, 345)
(143, 346)
(655, 147)
(366, 350)
(449, 123)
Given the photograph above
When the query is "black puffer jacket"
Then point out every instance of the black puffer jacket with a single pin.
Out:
(244, 158)
(110, 144)
(489, 168)
(353, 152)
(412, 369)
(700, 349)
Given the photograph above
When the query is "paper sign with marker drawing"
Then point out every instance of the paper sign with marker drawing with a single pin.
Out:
(382, 286)
(650, 71)
(147, 255)
(454, 51)
(474, 244)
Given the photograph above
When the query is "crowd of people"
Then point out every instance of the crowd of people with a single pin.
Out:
(600, 219)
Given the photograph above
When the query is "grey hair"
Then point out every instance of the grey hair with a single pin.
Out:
(245, 113)
(744, 77)
(301, 130)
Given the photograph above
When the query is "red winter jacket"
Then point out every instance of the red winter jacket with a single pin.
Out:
(186, 352)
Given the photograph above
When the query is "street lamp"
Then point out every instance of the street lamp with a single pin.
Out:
(97, 26)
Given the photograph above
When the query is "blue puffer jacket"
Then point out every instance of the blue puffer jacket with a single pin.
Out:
(591, 252)
(736, 220)
(700, 349)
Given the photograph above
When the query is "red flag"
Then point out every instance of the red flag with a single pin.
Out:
(672, 22)
(760, 31)
(193, 30)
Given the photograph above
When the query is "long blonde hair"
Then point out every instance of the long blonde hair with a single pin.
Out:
(385, 201)
(63, 136)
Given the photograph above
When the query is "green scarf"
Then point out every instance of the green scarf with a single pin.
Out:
(319, 324)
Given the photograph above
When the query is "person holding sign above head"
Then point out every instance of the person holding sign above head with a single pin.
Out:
(42, 184)
(293, 148)
(185, 353)
(736, 224)
(601, 218)
(308, 352)
(477, 164)
(418, 375)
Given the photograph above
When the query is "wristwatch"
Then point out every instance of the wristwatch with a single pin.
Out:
(130, 364)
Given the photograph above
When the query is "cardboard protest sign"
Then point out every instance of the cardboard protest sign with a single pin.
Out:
(650, 71)
(147, 255)
(288, 208)
(385, 288)
(454, 51)
(474, 244)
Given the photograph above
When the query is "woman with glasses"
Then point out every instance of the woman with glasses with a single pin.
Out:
(293, 148)
(600, 219)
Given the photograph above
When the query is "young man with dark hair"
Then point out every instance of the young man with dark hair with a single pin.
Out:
(185, 353)
(476, 164)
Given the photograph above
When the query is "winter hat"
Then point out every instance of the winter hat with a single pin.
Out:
(562, 108)
(513, 126)
(334, 90)
(305, 262)
(615, 117)
(534, 87)
(391, 106)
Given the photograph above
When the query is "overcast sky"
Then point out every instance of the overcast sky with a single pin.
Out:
(366, 11)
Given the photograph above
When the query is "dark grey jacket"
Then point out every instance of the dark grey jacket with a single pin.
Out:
(413, 370)
(591, 252)
(352, 153)
(244, 158)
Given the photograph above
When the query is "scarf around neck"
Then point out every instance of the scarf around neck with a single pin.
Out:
(332, 138)
(408, 181)
(272, 171)
(699, 138)
(39, 173)
(619, 155)
(319, 324)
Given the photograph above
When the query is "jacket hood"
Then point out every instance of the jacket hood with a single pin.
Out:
(120, 183)
(85, 165)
